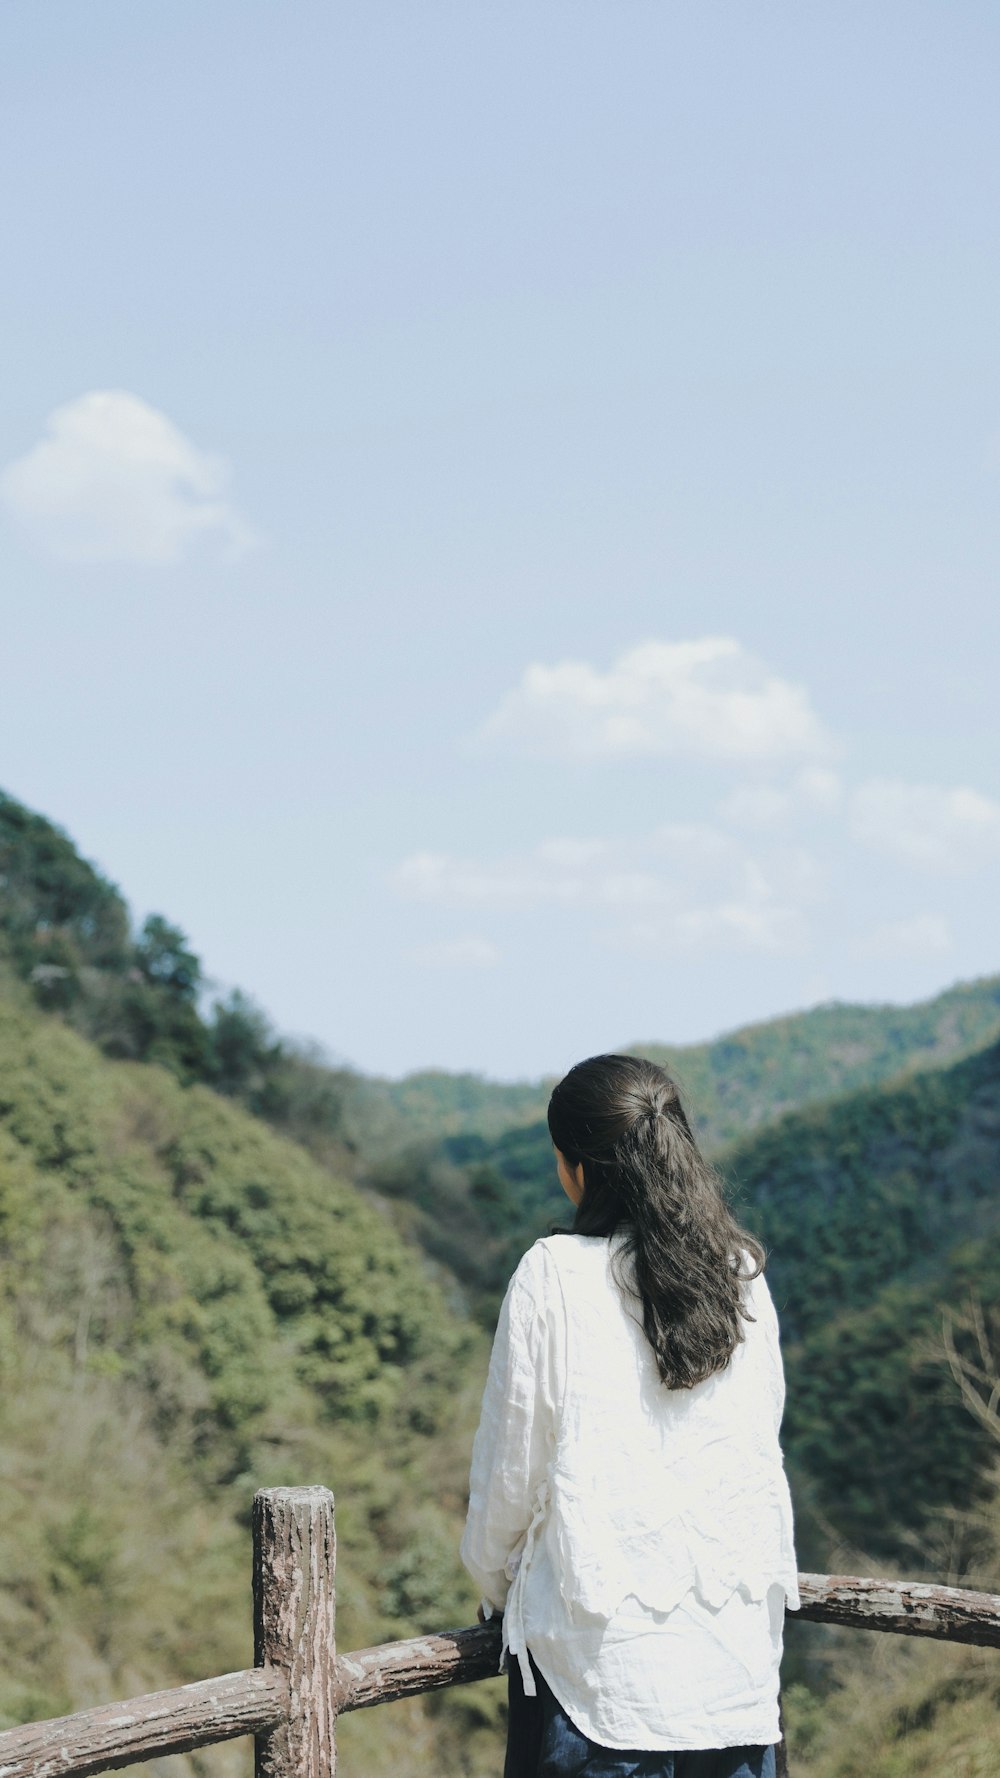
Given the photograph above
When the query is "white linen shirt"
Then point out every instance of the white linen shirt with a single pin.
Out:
(639, 1538)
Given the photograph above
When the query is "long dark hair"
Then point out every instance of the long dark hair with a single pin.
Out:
(643, 1174)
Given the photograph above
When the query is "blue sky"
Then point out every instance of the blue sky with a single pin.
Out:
(500, 504)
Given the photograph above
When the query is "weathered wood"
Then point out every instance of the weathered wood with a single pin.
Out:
(294, 1557)
(370, 1676)
(399, 1669)
(173, 1721)
(907, 1607)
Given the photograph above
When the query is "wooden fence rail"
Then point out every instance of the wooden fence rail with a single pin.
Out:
(291, 1698)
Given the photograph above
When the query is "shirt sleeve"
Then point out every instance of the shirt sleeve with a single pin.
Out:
(517, 1427)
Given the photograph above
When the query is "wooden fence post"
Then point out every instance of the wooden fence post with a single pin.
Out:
(294, 1560)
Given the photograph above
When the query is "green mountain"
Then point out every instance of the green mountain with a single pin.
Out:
(753, 1076)
(869, 1204)
(476, 1196)
(224, 1264)
(733, 1084)
(878, 1211)
(191, 1307)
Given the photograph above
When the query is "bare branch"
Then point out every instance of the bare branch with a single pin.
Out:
(978, 1383)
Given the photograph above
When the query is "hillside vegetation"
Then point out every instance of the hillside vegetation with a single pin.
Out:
(899, 1707)
(190, 1308)
(476, 1201)
(753, 1076)
(877, 1210)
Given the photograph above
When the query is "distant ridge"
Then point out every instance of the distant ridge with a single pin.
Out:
(732, 1083)
(476, 1198)
(750, 1076)
(65, 930)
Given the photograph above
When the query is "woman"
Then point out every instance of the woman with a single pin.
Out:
(628, 1506)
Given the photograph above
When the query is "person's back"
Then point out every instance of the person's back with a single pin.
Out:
(654, 1499)
(639, 1535)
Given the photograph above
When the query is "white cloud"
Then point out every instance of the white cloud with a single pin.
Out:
(721, 896)
(556, 873)
(950, 831)
(524, 881)
(749, 925)
(458, 953)
(707, 699)
(113, 480)
(818, 788)
(683, 887)
(919, 935)
(767, 805)
(758, 806)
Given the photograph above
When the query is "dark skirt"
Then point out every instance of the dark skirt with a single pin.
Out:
(542, 1742)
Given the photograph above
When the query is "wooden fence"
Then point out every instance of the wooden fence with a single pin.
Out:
(289, 1700)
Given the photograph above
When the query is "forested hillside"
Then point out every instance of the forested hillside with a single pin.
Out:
(475, 1201)
(751, 1077)
(877, 1211)
(733, 1084)
(190, 1308)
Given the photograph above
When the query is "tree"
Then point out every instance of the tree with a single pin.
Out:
(244, 1047)
(50, 895)
(164, 958)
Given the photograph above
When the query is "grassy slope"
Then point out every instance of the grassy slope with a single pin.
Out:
(190, 1308)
